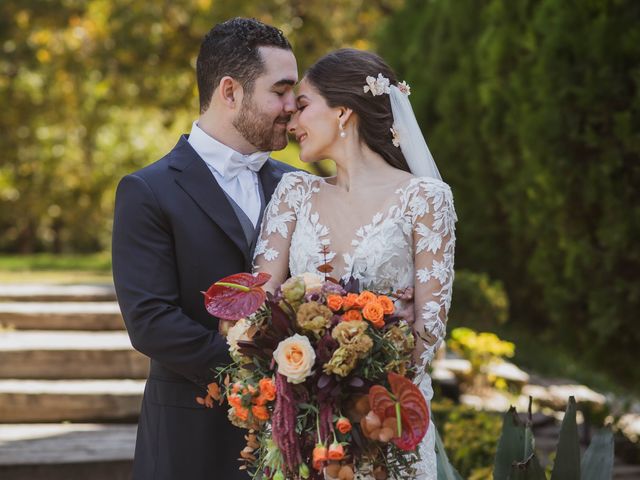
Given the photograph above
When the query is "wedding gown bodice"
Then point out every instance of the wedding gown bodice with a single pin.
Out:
(408, 243)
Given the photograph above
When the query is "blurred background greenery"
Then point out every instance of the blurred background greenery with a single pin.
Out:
(531, 108)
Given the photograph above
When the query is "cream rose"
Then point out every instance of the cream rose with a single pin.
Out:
(312, 282)
(295, 358)
(237, 333)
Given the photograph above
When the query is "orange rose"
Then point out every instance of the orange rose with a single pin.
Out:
(242, 413)
(319, 456)
(351, 315)
(267, 389)
(349, 301)
(334, 302)
(343, 425)
(235, 401)
(374, 312)
(364, 298)
(336, 451)
(387, 304)
(261, 413)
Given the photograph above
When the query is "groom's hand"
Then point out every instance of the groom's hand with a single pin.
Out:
(407, 312)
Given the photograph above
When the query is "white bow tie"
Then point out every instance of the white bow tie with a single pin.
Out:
(238, 162)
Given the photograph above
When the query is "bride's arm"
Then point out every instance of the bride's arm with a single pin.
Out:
(434, 244)
(272, 248)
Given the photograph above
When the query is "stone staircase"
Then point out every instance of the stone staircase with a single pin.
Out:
(70, 384)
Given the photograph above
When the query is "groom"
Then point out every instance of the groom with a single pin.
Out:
(188, 220)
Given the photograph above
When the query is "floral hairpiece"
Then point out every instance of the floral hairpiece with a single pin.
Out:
(395, 136)
(377, 86)
(381, 85)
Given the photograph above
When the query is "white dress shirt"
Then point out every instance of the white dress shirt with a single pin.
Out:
(234, 172)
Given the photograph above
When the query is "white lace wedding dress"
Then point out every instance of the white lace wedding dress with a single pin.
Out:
(408, 243)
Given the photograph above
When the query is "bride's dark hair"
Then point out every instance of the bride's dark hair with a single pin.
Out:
(340, 77)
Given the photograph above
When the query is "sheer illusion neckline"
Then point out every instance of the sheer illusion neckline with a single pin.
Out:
(358, 236)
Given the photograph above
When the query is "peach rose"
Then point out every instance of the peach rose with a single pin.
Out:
(364, 298)
(352, 315)
(349, 301)
(374, 312)
(387, 304)
(295, 358)
(334, 302)
(267, 388)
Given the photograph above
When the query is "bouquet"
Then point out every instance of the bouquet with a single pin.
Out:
(320, 377)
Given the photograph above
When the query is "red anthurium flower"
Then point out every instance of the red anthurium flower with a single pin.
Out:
(406, 403)
(236, 296)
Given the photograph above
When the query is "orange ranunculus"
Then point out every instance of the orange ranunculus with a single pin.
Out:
(267, 388)
(242, 413)
(259, 400)
(334, 302)
(236, 388)
(261, 413)
(351, 315)
(319, 456)
(235, 401)
(349, 301)
(336, 451)
(387, 304)
(374, 312)
(343, 425)
(364, 298)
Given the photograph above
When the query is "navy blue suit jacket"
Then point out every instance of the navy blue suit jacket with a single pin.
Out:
(174, 234)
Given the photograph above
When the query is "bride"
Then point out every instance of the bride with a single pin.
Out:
(385, 218)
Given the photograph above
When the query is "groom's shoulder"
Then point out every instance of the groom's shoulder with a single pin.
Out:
(156, 172)
(280, 167)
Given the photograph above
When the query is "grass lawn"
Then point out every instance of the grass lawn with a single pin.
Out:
(48, 268)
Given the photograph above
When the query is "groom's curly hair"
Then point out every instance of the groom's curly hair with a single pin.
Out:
(231, 49)
(340, 76)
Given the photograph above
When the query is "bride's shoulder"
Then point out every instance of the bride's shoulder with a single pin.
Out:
(427, 185)
(294, 178)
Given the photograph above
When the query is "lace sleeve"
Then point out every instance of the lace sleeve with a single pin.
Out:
(434, 220)
(272, 248)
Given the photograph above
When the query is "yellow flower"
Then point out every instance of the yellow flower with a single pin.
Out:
(314, 317)
(295, 358)
(351, 335)
(342, 362)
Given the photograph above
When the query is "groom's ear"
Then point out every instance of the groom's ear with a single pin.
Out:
(229, 92)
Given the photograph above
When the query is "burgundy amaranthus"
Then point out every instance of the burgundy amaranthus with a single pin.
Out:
(283, 426)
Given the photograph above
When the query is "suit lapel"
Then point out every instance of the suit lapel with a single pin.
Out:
(269, 177)
(195, 178)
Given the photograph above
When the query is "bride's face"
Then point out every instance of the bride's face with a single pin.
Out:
(315, 124)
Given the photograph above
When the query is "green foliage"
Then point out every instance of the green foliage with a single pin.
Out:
(532, 110)
(95, 89)
(479, 302)
(481, 349)
(469, 437)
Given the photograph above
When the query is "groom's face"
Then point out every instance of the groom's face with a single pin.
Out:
(265, 111)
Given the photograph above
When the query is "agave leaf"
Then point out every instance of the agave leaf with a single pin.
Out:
(530, 469)
(510, 446)
(446, 471)
(597, 463)
(567, 464)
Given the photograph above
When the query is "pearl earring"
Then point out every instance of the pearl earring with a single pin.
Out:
(343, 134)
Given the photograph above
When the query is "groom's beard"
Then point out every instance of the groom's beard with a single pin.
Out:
(259, 129)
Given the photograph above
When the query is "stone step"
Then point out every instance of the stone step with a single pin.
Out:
(66, 451)
(38, 401)
(69, 355)
(47, 292)
(61, 316)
